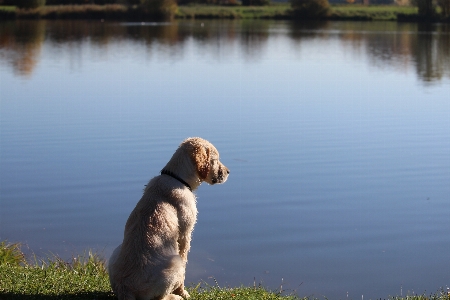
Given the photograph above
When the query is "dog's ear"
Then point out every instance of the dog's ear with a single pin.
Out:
(201, 158)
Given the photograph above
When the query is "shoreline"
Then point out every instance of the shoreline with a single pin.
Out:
(86, 277)
(277, 11)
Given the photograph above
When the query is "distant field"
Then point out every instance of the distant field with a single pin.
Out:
(7, 8)
(282, 11)
(375, 12)
(277, 10)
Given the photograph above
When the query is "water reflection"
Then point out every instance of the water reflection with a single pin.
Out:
(253, 37)
(20, 45)
(424, 48)
(432, 52)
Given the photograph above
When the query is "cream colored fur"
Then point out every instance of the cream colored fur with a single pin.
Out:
(151, 261)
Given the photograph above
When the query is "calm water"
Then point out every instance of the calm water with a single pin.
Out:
(337, 136)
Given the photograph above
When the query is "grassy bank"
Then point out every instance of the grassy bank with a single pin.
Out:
(88, 11)
(375, 12)
(283, 11)
(273, 11)
(85, 277)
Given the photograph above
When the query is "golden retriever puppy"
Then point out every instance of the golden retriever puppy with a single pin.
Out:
(151, 261)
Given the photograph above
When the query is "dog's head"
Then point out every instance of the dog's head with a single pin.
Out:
(206, 160)
(197, 160)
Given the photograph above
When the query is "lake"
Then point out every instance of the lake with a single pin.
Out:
(337, 135)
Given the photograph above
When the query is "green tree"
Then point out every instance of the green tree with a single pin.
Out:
(445, 8)
(160, 8)
(426, 8)
(310, 8)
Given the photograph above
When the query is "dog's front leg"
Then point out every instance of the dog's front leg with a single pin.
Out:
(184, 244)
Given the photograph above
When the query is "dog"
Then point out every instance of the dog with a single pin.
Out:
(151, 261)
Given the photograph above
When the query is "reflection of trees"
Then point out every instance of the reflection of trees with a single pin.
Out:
(432, 52)
(20, 44)
(254, 35)
(309, 29)
(424, 48)
(166, 34)
(389, 44)
(215, 37)
(21, 40)
(62, 32)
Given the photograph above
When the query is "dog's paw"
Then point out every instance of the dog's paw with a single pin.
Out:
(185, 294)
(172, 297)
(182, 292)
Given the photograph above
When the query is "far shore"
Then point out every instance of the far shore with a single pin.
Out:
(281, 11)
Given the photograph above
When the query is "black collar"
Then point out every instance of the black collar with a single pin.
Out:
(165, 172)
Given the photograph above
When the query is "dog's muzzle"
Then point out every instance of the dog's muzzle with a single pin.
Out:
(221, 176)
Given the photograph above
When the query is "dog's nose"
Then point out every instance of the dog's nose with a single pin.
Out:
(228, 171)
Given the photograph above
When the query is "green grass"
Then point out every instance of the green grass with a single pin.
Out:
(89, 280)
(56, 278)
(371, 12)
(8, 8)
(88, 11)
(281, 11)
(85, 277)
(11, 254)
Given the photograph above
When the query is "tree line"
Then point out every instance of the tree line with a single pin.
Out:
(427, 9)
